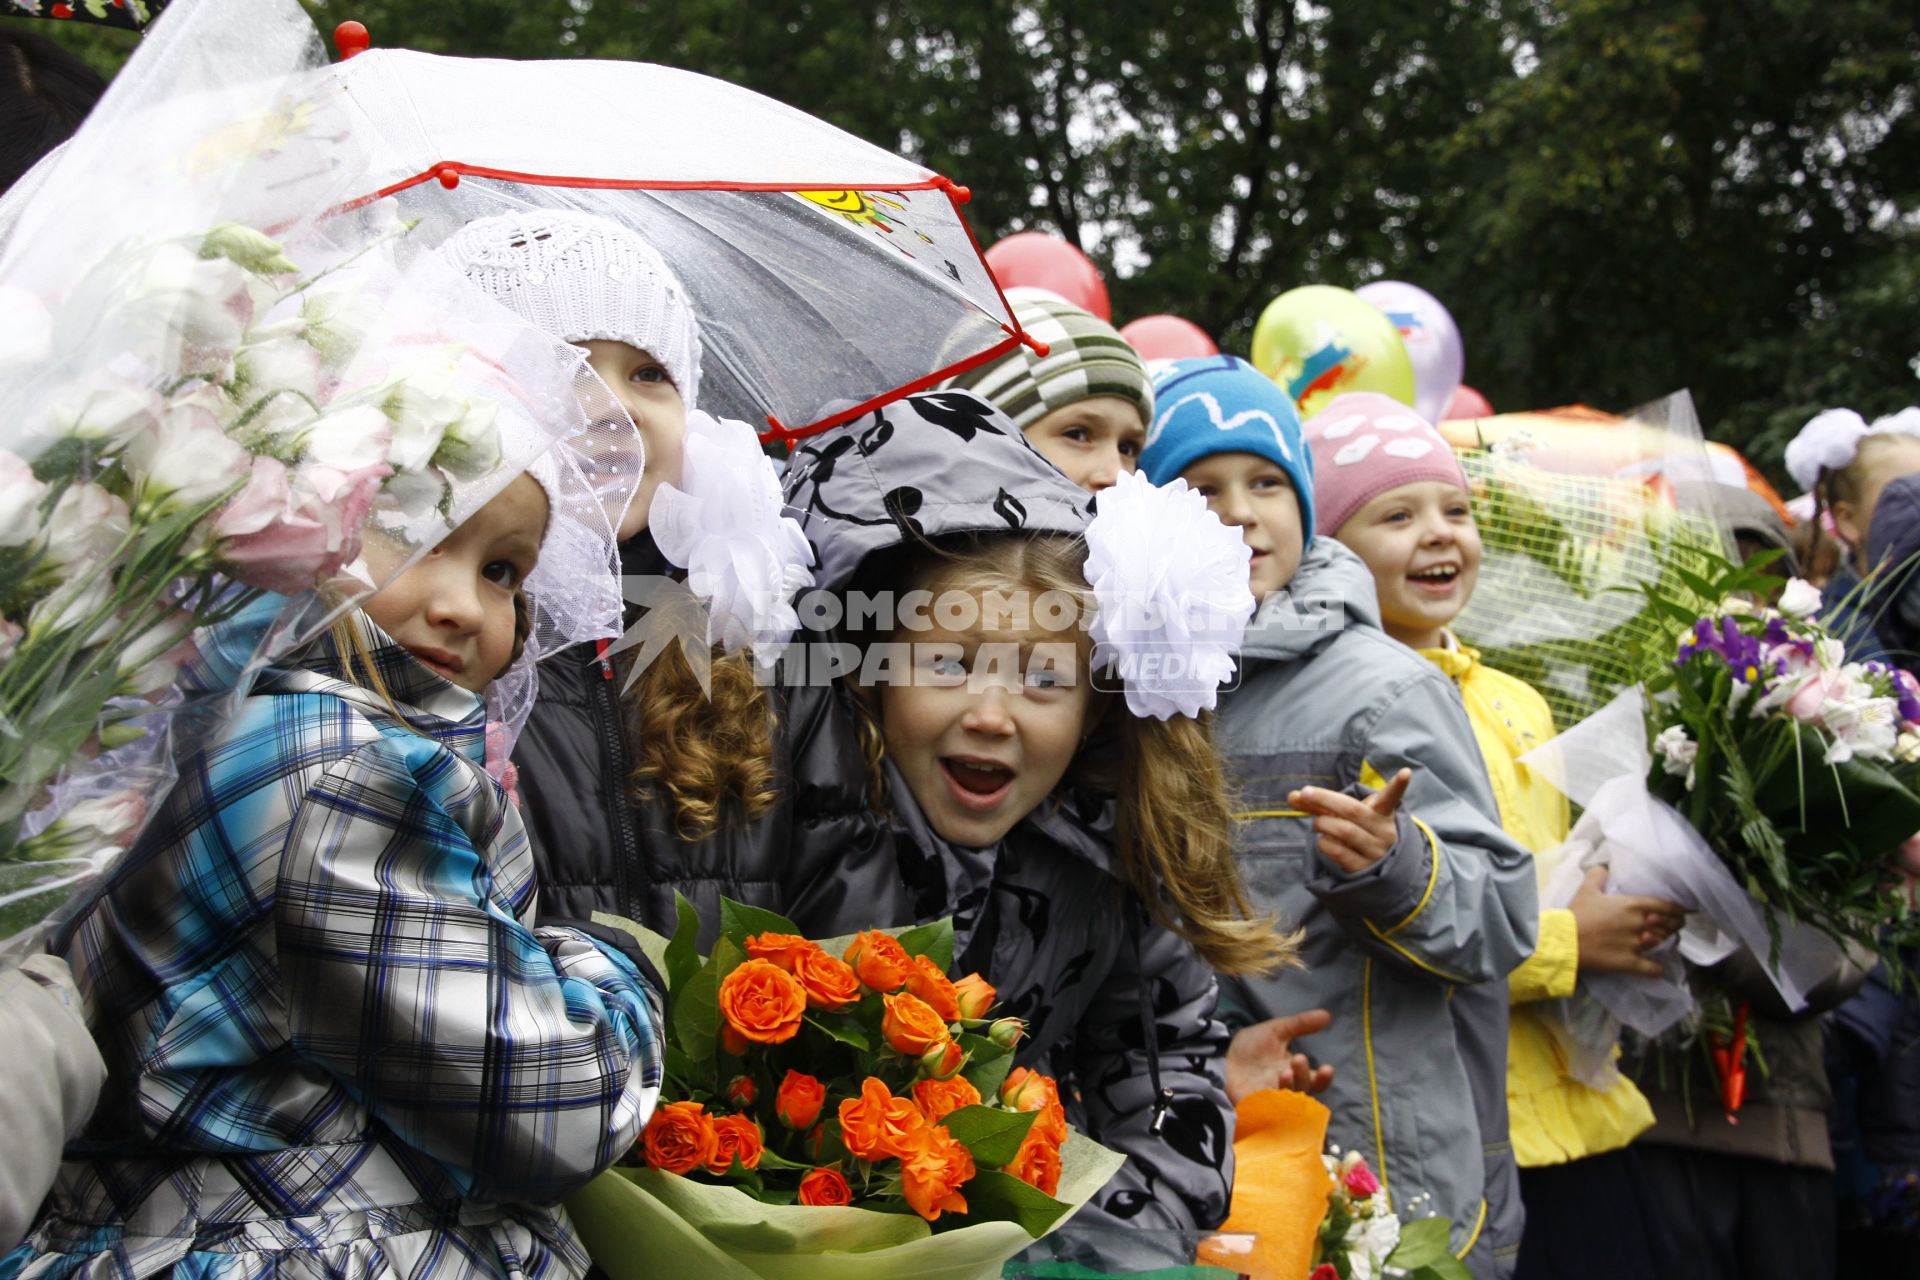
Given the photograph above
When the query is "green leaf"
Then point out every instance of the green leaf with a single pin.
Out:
(994, 1136)
(934, 941)
(683, 959)
(1000, 1197)
(738, 921)
(769, 1159)
(988, 1064)
(843, 1029)
(1422, 1241)
(696, 1013)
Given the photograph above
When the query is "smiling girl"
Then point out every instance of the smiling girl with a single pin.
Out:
(1075, 828)
(340, 1044)
(1390, 488)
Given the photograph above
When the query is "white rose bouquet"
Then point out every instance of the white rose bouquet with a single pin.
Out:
(214, 444)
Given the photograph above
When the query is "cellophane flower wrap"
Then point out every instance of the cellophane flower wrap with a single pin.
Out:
(219, 405)
(1362, 1238)
(841, 1108)
(1794, 763)
(1762, 781)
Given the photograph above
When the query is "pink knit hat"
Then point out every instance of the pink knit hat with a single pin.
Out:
(1364, 444)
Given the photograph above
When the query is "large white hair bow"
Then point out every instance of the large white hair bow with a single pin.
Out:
(1171, 585)
(1827, 443)
(723, 524)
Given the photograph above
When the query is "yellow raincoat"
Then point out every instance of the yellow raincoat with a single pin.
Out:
(1553, 1118)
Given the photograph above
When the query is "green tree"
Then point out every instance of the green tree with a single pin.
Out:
(1616, 198)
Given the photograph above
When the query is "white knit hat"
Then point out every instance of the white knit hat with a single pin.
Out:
(581, 278)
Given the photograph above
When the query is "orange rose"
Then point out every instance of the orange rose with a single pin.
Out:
(733, 1042)
(782, 949)
(762, 1002)
(943, 1060)
(934, 987)
(734, 1136)
(911, 1026)
(1037, 1163)
(939, 1098)
(876, 1124)
(975, 995)
(1030, 1091)
(825, 1186)
(932, 1169)
(879, 959)
(741, 1091)
(679, 1138)
(798, 1100)
(829, 983)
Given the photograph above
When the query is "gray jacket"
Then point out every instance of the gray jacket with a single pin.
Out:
(1409, 955)
(1120, 1009)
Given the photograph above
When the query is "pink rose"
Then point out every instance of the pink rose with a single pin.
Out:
(287, 530)
(10, 634)
(1810, 699)
(1360, 1182)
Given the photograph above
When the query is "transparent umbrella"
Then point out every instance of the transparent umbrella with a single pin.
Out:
(829, 275)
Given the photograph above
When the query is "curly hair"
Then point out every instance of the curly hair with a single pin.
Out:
(1174, 816)
(703, 752)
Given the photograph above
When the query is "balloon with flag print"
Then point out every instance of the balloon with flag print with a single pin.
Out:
(1318, 341)
(1431, 338)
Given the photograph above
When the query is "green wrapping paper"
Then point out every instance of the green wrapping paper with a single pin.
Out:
(639, 1224)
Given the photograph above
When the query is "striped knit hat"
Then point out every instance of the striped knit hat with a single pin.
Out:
(1086, 357)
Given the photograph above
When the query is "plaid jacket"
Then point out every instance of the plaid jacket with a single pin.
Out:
(337, 1044)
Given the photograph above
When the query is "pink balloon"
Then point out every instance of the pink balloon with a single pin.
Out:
(1042, 261)
(1168, 338)
(1468, 403)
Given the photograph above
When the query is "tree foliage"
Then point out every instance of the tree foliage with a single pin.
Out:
(1616, 198)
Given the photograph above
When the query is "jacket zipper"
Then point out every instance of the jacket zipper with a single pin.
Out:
(606, 710)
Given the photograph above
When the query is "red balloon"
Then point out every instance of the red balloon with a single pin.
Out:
(1468, 403)
(1168, 338)
(1045, 261)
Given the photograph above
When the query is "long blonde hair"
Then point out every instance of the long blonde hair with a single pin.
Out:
(1174, 818)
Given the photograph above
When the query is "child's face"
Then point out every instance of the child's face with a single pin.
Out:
(1424, 551)
(453, 609)
(643, 387)
(1092, 440)
(1883, 459)
(1253, 495)
(987, 724)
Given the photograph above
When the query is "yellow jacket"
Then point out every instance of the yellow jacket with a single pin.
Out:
(1553, 1118)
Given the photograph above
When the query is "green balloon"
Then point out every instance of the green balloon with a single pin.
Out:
(1318, 342)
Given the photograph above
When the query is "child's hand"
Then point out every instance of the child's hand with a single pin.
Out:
(1261, 1056)
(1354, 834)
(1617, 929)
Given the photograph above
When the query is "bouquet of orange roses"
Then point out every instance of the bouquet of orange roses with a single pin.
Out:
(844, 1101)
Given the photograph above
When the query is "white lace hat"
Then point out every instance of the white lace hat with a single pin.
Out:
(581, 278)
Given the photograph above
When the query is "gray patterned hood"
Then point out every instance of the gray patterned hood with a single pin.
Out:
(931, 464)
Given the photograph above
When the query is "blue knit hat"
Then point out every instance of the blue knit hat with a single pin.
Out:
(1222, 404)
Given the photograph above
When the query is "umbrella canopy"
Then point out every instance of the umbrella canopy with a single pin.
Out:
(829, 276)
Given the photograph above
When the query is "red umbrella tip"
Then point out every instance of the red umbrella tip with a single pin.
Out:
(350, 38)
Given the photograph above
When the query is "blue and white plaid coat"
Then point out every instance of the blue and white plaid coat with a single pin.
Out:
(338, 1046)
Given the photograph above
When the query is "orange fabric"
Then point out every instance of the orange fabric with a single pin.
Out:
(1280, 1183)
